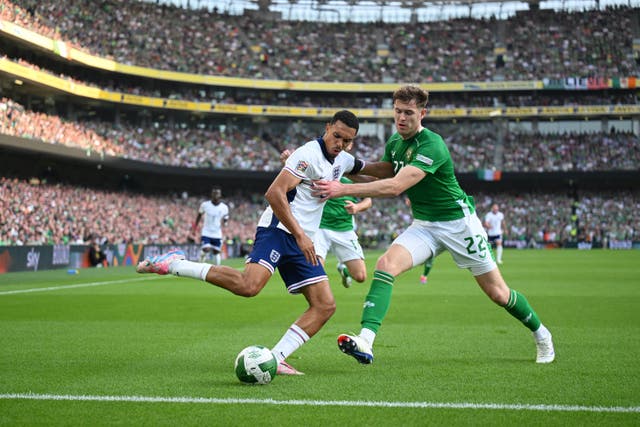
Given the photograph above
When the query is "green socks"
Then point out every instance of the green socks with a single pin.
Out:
(378, 300)
(519, 307)
(427, 267)
(344, 270)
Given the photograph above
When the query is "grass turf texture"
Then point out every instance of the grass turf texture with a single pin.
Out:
(442, 343)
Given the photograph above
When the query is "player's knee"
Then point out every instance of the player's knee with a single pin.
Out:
(359, 276)
(326, 309)
(330, 309)
(499, 296)
(382, 263)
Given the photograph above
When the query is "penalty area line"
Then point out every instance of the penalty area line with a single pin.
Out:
(348, 403)
(78, 285)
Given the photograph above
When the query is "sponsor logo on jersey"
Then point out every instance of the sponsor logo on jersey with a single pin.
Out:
(274, 256)
(424, 159)
(302, 166)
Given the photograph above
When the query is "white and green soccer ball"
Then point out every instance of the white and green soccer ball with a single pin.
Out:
(256, 365)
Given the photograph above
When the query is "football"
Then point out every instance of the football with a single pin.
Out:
(256, 365)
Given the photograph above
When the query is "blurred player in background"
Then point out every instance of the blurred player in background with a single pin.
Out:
(337, 233)
(417, 161)
(216, 215)
(284, 237)
(493, 222)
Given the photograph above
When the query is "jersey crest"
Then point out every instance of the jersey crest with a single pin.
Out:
(336, 173)
(407, 155)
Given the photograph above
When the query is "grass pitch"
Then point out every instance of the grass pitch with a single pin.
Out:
(108, 346)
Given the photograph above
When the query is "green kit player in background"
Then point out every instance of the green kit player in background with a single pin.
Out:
(417, 162)
(337, 234)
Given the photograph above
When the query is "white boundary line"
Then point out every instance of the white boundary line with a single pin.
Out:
(351, 403)
(79, 285)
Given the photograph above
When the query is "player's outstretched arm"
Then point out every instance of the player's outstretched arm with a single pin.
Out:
(276, 195)
(361, 206)
(407, 177)
(194, 226)
(377, 169)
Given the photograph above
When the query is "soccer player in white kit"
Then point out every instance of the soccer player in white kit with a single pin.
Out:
(493, 223)
(284, 237)
(216, 214)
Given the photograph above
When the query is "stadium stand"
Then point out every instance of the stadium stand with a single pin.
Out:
(544, 208)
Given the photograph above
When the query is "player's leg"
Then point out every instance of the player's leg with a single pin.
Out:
(356, 269)
(426, 270)
(247, 283)
(518, 306)
(295, 273)
(470, 249)
(206, 246)
(411, 248)
(350, 256)
(322, 305)
(204, 252)
(217, 258)
(499, 250)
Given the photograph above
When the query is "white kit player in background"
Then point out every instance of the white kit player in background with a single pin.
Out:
(493, 222)
(216, 215)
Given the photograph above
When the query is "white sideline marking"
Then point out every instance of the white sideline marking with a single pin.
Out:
(79, 285)
(377, 404)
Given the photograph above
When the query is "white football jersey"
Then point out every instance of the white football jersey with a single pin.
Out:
(310, 164)
(213, 217)
(495, 223)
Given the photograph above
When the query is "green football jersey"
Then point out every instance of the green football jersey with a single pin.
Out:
(438, 197)
(334, 216)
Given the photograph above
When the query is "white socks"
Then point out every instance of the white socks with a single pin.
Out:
(499, 254)
(184, 268)
(290, 342)
(368, 335)
(541, 333)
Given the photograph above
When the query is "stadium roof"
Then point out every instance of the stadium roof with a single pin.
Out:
(390, 11)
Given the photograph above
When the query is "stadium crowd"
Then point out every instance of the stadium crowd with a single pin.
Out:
(201, 147)
(590, 43)
(595, 43)
(37, 213)
(221, 95)
(33, 213)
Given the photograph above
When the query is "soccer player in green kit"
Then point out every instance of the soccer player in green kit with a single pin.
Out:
(337, 233)
(417, 162)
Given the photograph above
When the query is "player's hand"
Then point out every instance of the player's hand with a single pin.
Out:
(285, 155)
(326, 189)
(351, 207)
(306, 246)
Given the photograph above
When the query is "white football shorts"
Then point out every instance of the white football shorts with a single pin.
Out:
(465, 239)
(344, 244)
